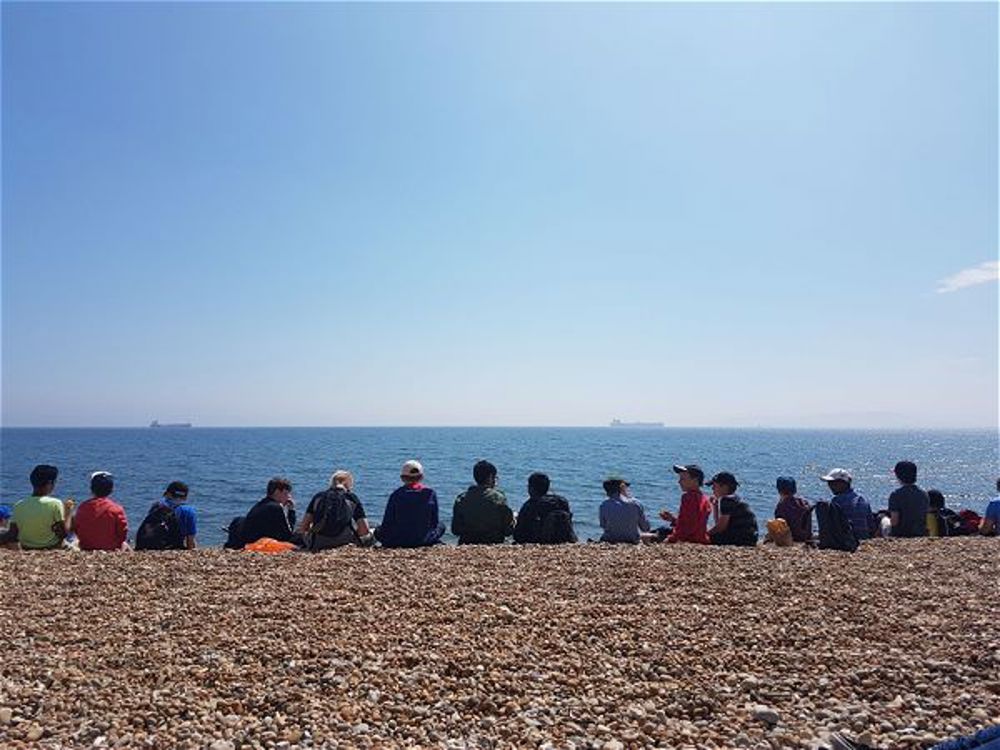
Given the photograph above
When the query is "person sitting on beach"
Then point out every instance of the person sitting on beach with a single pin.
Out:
(622, 518)
(990, 525)
(171, 524)
(793, 510)
(691, 521)
(272, 516)
(544, 518)
(411, 514)
(735, 523)
(941, 520)
(908, 505)
(855, 508)
(481, 514)
(39, 521)
(100, 522)
(335, 516)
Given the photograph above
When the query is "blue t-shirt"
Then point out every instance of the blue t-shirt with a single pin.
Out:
(993, 511)
(187, 519)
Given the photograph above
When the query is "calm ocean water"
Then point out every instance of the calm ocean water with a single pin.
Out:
(227, 469)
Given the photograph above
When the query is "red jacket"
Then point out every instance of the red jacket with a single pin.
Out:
(692, 520)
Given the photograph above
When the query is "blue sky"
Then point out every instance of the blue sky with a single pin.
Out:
(265, 214)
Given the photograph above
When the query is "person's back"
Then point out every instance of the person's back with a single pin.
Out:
(39, 521)
(481, 514)
(268, 517)
(857, 511)
(544, 518)
(170, 524)
(622, 518)
(793, 510)
(34, 517)
(908, 505)
(989, 525)
(411, 513)
(100, 522)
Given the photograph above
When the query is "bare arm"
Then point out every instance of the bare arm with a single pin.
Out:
(189, 542)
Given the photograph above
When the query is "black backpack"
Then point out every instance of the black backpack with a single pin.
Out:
(835, 531)
(159, 530)
(234, 533)
(557, 528)
(333, 512)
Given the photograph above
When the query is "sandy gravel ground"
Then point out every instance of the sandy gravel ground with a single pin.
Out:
(586, 646)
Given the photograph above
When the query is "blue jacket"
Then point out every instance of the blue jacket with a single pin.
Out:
(411, 518)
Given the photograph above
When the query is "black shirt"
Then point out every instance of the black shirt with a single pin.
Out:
(531, 517)
(742, 528)
(266, 518)
(911, 503)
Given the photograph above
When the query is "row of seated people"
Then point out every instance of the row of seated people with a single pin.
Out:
(336, 517)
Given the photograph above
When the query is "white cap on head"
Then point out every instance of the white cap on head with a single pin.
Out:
(412, 469)
(96, 474)
(835, 474)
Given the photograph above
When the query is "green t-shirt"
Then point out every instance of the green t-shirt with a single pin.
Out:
(34, 517)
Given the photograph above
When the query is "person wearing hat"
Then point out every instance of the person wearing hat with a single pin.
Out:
(39, 520)
(691, 521)
(793, 510)
(622, 517)
(100, 522)
(411, 514)
(735, 524)
(855, 508)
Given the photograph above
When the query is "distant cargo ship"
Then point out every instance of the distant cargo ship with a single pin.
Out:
(173, 425)
(619, 423)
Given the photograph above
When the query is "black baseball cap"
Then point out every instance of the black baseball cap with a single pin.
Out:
(724, 477)
(693, 469)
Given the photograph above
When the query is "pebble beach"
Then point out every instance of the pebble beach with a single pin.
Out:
(578, 646)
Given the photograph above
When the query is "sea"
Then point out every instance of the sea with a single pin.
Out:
(227, 469)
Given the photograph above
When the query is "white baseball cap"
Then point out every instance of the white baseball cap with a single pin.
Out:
(96, 474)
(412, 469)
(835, 474)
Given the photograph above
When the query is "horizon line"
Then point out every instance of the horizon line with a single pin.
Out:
(885, 428)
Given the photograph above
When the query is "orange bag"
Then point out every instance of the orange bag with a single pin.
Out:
(269, 546)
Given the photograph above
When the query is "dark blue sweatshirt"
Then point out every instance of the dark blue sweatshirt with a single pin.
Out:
(411, 518)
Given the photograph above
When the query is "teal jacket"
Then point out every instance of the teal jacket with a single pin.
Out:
(482, 516)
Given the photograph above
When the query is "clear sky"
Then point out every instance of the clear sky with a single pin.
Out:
(395, 214)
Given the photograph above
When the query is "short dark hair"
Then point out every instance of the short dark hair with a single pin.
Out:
(176, 489)
(937, 499)
(42, 474)
(538, 484)
(613, 486)
(276, 484)
(483, 472)
(906, 472)
(102, 485)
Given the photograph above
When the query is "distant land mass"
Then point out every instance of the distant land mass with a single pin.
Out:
(170, 425)
(619, 423)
